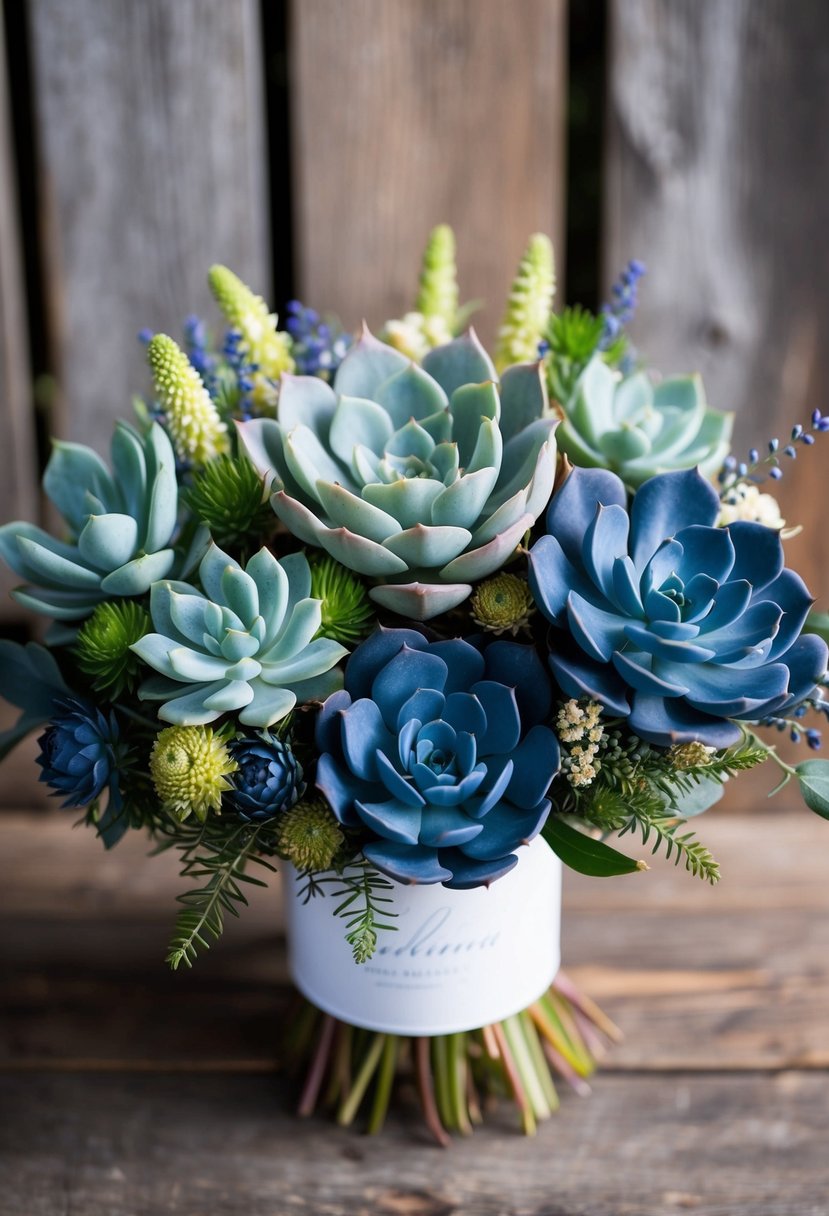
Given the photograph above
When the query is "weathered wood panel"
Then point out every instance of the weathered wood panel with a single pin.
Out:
(18, 484)
(644, 1146)
(717, 174)
(150, 124)
(412, 113)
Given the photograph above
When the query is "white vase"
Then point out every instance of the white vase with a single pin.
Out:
(457, 960)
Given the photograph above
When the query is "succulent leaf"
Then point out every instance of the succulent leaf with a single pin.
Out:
(402, 473)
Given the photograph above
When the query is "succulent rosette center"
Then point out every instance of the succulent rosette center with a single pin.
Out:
(422, 478)
(666, 619)
(438, 754)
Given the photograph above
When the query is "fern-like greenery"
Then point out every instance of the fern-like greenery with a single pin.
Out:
(640, 789)
(215, 854)
(361, 892)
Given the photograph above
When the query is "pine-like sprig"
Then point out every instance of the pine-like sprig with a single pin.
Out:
(665, 826)
(216, 854)
(361, 892)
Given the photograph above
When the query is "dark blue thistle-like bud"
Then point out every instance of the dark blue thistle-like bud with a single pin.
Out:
(268, 780)
(81, 753)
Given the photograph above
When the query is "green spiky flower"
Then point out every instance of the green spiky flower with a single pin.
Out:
(102, 647)
(502, 604)
(191, 418)
(530, 302)
(347, 614)
(267, 347)
(438, 293)
(189, 766)
(229, 497)
(690, 755)
(309, 836)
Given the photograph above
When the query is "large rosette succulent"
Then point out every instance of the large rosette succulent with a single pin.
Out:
(667, 620)
(439, 753)
(423, 478)
(120, 525)
(246, 643)
(637, 429)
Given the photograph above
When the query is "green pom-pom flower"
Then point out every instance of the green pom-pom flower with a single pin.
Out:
(189, 766)
(266, 347)
(229, 497)
(309, 836)
(191, 418)
(503, 604)
(438, 294)
(347, 614)
(530, 302)
(102, 647)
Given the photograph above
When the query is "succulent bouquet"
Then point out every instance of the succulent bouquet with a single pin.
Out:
(387, 609)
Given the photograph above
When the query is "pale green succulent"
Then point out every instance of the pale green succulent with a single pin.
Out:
(245, 643)
(120, 526)
(424, 479)
(637, 428)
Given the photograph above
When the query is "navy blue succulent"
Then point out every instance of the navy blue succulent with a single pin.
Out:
(268, 779)
(82, 755)
(438, 752)
(667, 620)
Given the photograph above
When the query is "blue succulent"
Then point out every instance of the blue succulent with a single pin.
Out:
(82, 756)
(121, 525)
(438, 753)
(667, 620)
(268, 779)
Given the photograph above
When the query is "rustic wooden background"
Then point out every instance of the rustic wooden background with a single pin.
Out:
(311, 144)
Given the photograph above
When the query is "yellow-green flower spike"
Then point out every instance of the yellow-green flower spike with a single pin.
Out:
(264, 345)
(529, 307)
(309, 836)
(189, 766)
(438, 293)
(191, 418)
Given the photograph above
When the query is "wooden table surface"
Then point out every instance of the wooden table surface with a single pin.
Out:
(128, 1091)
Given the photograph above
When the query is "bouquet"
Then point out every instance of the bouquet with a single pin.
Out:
(418, 626)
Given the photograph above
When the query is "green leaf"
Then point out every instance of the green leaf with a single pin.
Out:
(817, 622)
(584, 854)
(701, 795)
(813, 776)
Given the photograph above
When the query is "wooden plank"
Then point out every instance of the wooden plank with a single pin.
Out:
(18, 485)
(648, 1146)
(697, 977)
(413, 113)
(714, 165)
(151, 135)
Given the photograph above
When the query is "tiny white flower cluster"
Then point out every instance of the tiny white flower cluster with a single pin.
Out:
(578, 723)
(746, 502)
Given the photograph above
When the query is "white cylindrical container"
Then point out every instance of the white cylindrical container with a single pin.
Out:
(456, 960)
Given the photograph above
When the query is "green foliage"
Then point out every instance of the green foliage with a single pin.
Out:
(664, 826)
(573, 336)
(813, 779)
(102, 648)
(215, 854)
(229, 497)
(361, 892)
(818, 622)
(347, 613)
(640, 789)
(584, 854)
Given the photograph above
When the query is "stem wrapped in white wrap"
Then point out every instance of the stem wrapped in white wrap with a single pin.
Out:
(457, 960)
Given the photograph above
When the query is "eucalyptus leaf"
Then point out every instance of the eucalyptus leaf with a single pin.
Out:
(813, 777)
(699, 798)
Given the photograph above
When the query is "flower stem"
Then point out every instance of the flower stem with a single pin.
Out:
(348, 1111)
(382, 1091)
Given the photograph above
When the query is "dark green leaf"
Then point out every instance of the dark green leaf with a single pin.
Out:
(584, 854)
(817, 622)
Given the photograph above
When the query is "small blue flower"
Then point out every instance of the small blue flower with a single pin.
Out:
(318, 347)
(81, 754)
(268, 779)
(666, 619)
(440, 754)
